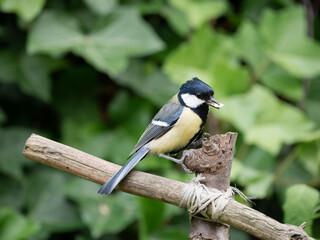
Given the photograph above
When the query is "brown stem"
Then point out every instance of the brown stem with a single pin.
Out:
(214, 161)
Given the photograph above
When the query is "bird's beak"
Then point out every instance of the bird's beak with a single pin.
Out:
(214, 103)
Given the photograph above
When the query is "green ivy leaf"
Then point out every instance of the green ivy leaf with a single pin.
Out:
(14, 226)
(209, 56)
(169, 232)
(251, 46)
(300, 203)
(279, 28)
(120, 36)
(238, 234)
(27, 10)
(313, 110)
(229, 79)
(119, 210)
(176, 19)
(140, 113)
(150, 217)
(258, 184)
(280, 37)
(126, 35)
(255, 172)
(264, 120)
(101, 7)
(31, 73)
(47, 204)
(296, 172)
(72, 187)
(12, 195)
(192, 59)
(313, 101)
(253, 10)
(11, 145)
(236, 169)
(300, 61)
(100, 213)
(309, 156)
(34, 79)
(54, 33)
(128, 131)
(283, 83)
(9, 71)
(152, 80)
(198, 12)
(289, 47)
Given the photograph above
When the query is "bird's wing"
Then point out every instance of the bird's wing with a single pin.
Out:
(162, 122)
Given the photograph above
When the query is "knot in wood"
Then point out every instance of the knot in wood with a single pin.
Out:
(210, 148)
(213, 156)
(297, 237)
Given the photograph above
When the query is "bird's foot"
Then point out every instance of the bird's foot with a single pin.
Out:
(179, 161)
(198, 142)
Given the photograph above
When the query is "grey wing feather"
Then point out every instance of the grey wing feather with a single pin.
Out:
(170, 114)
(108, 187)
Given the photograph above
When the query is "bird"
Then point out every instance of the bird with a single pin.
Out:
(177, 124)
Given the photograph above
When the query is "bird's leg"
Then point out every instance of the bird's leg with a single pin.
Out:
(179, 161)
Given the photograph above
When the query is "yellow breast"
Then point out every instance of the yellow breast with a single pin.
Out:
(179, 136)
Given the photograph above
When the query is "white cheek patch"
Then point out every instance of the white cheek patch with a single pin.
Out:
(192, 101)
(160, 123)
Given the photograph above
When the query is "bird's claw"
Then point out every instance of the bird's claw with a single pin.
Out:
(184, 156)
(187, 170)
(199, 142)
(179, 161)
(205, 135)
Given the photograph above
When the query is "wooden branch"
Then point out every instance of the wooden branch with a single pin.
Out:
(214, 162)
(94, 169)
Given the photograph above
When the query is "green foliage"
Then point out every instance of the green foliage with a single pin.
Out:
(300, 205)
(152, 79)
(30, 72)
(195, 13)
(26, 10)
(107, 46)
(255, 172)
(14, 226)
(299, 57)
(210, 56)
(11, 144)
(265, 120)
(97, 212)
(92, 73)
(101, 7)
(151, 216)
(47, 205)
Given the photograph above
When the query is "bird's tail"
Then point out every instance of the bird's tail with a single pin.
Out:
(108, 187)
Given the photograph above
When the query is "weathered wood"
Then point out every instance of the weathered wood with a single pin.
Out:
(259, 225)
(94, 169)
(214, 161)
(97, 170)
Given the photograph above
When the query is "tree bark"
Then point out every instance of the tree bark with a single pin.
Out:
(214, 161)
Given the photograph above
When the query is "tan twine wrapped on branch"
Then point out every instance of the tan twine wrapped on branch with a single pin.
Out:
(197, 198)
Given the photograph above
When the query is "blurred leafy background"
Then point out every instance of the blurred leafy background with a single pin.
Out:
(92, 73)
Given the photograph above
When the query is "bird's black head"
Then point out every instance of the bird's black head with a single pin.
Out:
(194, 93)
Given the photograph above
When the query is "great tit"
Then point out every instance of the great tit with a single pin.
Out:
(174, 127)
